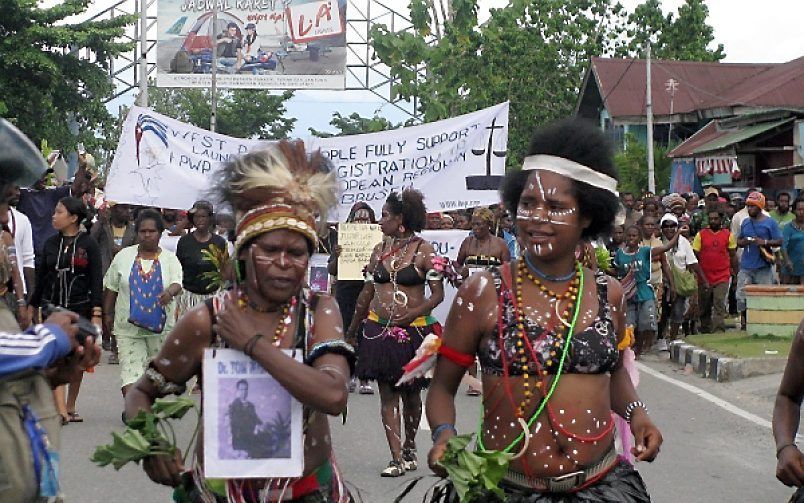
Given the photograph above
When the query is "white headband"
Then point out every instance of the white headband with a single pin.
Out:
(572, 170)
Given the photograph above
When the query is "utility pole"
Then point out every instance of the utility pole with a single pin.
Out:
(143, 60)
(213, 116)
(649, 110)
(671, 86)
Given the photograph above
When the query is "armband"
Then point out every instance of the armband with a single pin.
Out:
(464, 360)
(335, 346)
(163, 386)
(433, 275)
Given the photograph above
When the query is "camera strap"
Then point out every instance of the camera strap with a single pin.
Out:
(46, 460)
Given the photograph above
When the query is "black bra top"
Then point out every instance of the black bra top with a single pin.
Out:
(482, 261)
(407, 276)
(592, 351)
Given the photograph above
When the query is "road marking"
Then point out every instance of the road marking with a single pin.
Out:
(723, 404)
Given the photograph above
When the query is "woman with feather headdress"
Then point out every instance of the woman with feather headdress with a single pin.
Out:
(276, 194)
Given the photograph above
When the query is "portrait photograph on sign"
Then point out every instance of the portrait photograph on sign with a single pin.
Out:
(252, 425)
(318, 275)
(288, 44)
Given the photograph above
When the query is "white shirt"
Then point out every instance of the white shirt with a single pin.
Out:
(168, 242)
(682, 254)
(20, 227)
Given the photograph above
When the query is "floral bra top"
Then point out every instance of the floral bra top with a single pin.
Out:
(592, 351)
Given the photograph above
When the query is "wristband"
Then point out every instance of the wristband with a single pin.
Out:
(785, 446)
(629, 409)
(249, 347)
(441, 428)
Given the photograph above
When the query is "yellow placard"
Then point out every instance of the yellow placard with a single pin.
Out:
(356, 242)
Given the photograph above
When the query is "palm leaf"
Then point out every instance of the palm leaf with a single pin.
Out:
(220, 259)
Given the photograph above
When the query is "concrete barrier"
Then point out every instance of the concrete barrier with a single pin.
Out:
(774, 309)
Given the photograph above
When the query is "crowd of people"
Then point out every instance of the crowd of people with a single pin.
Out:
(556, 284)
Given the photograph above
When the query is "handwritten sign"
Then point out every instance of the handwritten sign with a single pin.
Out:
(356, 241)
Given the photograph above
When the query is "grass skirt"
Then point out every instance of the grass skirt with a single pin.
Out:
(382, 353)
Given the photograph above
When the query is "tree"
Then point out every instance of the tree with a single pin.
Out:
(532, 53)
(44, 84)
(355, 124)
(685, 36)
(242, 113)
(632, 162)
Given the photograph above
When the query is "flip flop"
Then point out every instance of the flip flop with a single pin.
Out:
(75, 417)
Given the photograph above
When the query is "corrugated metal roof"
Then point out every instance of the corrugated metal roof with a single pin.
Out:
(623, 82)
(711, 138)
(781, 86)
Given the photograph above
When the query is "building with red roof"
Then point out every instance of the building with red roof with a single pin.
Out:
(737, 123)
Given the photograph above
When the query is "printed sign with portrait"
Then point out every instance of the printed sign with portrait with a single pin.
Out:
(252, 425)
(317, 274)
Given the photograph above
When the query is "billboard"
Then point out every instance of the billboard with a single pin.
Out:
(261, 44)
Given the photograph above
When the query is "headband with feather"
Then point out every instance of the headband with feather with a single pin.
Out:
(280, 187)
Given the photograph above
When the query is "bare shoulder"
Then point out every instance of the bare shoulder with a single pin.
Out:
(194, 327)
(328, 323)
(479, 286)
(426, 247)
(615, 290)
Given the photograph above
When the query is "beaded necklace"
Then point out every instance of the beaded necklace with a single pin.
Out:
(559, 371)
(523, 343)
(284, 318)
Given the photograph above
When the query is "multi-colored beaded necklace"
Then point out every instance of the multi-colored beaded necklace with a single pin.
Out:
(574, 292)
(284, 317)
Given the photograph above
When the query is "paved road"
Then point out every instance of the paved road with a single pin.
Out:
(709, 454)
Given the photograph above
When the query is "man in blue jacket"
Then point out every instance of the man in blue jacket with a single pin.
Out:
(32, 362)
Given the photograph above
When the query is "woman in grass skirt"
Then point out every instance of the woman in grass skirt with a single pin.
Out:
(397, 319)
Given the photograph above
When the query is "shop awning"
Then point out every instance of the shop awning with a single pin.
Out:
(717, 165)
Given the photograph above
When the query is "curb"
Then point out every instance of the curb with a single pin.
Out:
(719, 368)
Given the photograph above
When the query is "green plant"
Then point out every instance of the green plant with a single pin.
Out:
(147, 434)
(220, 259)
(474, 473)
(603, 258)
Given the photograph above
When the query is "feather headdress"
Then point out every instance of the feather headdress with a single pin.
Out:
(280, 187)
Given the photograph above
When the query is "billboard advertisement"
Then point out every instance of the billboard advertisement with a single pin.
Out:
(260, 44)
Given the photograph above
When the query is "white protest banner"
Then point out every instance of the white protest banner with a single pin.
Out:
(166, 163)
(261, 44)
(456, 163)
(356, 241)
(447, 244)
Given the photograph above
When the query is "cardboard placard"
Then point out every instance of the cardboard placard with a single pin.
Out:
(356, 242)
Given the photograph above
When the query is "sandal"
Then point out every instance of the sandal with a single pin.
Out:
(366, 389)
(409, 460)
(65, 419)
(75, 417)
(394, 469)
